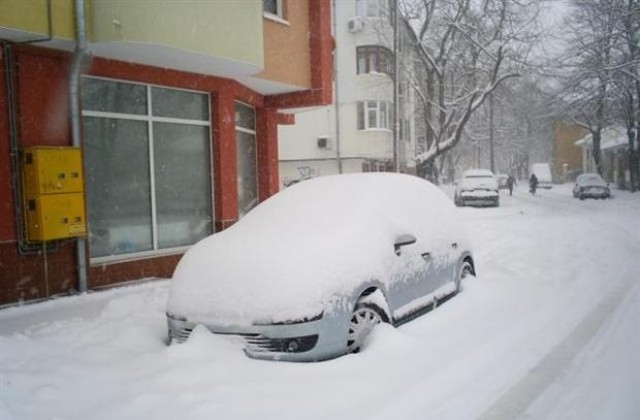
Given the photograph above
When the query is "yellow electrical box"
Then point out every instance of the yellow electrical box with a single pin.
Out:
(52, 170)
(55, 216)
(53, 191)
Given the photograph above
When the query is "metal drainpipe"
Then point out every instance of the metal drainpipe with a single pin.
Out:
(9, 68)
(14, 140)
(335, 89)
(76, 135)
(396, 85)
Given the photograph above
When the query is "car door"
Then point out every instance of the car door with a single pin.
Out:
(416, 273)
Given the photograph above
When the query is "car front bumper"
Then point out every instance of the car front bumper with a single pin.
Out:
(594, 192)
(480, 197)
(318, 339)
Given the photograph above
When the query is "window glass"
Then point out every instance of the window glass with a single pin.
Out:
(271, 6)
(374, 58)
(109, 96)
(247, 172)
(118, 186)
(362, 62)
(370, 8)
(245, 116)
(148, 182)
(183, 183)
(383, 115)
(179, 104)
(373, 114)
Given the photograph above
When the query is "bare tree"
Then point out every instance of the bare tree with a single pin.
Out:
(466, 49)
(627, 83)
(594, 42)
(522, 128)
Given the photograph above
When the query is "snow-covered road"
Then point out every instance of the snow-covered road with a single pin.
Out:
(548, 330)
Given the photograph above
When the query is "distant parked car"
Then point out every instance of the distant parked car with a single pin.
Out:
(591, 185)
(307, 274)
(502, 181)
(477, 187)
(543, 173)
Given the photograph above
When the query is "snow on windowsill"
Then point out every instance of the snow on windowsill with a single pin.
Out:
(122, 258)
(275, 18)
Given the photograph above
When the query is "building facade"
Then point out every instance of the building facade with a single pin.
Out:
(614, 149)
(355, 133)
(567, 157)
(180, 104)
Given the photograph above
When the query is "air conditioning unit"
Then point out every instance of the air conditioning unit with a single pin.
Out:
(355, 24)
(324, 142)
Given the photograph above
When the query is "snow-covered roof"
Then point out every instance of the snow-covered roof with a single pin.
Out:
(612, 138)
(477, 172)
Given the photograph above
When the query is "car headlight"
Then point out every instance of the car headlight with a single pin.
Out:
(281, 345)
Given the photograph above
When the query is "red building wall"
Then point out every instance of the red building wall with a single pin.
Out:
(41, 85)
(41, 78)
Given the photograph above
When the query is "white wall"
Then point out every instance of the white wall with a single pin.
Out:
(298, 143)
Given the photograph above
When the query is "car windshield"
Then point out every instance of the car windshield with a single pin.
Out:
(591, 179)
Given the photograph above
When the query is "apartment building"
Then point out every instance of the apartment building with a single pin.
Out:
(169, 112)
(356, 133)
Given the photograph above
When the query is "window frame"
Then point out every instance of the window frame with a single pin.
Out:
(371, 9)
(279, 16)
(376, 59)
(382, 111)
(377, 165)
(150, 119)
(254, 133)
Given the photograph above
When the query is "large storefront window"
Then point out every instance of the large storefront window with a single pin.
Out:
(247, 158)
(148, 167)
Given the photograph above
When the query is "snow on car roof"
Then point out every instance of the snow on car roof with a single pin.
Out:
(290, 254)
(477, 173)
(590, 178)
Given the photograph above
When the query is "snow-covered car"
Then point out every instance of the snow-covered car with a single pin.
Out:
(591, 185)
(306, 274)
(502, 181)
(477, 187)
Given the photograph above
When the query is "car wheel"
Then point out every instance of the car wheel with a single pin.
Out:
(465, 271)
(365, 316)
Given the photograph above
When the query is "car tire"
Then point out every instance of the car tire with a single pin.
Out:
(466, 270)
(364, 318)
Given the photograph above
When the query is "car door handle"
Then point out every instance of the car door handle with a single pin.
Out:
(426, 256)
(454, 245)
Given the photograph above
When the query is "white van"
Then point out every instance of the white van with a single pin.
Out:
(543, 173)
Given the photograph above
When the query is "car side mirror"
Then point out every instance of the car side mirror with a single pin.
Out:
(403, 240)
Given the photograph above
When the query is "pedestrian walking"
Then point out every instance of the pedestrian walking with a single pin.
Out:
(533, 184)
(510, 183)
